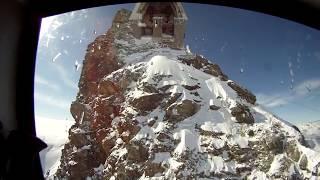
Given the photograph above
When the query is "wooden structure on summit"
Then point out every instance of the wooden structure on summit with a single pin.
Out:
(164, 22)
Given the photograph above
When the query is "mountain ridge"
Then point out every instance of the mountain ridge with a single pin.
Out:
(146, 111)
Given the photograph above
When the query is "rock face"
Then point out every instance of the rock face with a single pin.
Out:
(146, 111)
(242, 114)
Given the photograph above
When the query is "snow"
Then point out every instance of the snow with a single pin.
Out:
(216, 163)
(312, 156)
(174, 165)
(216, 92)
(311, 132)
(119, 141)
(161, 157)
(218, 143)
(188, 142)
(160, 127)
(215, 127)
(119, 152)
(242, 142)
(144, 132)
(161, 65)
(222, 89)
(257, 175)
(276, 164)
(155, 62)
(54, 132)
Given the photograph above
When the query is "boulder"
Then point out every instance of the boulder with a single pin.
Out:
(181, 111)
(191, 88)
(251, 133)
(148, 102)
(242, 114)
(293, 151)
(203, 64)
(79, 111)
(214, 107)
(303, 162)
(276, 143)
(243, 93)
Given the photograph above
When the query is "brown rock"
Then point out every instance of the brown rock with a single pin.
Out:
(191, 88)
(149, 88)
(203, 64)
(107, 143)
(79, 111)
(100, 60)
(171, 100)
(242, 114)
(214, 107)
(78, 139)
(250, 133)
(121, 16)
(276, 143)
(179, 112)
(151, 122)
(165, 88)
(101, 134)
(108, 88)
(293, 151)
(303, 162)
(163, 136)
(151, 169)
(148, 102)
(137, 152)
(125, 77)
(243, 93)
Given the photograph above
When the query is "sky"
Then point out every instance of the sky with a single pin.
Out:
(277, 59)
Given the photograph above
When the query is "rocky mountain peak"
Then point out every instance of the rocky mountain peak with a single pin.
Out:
(146, 111)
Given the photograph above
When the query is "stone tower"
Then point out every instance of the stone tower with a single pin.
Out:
(163, 22)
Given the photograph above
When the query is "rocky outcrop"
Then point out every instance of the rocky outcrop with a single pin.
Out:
(88, 144)
(181, 111)
(135, 120)
(242, 114)
(200, 62)
(148, 102)
(243, 93)
(214, 107)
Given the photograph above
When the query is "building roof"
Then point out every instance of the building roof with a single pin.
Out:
(138, 10)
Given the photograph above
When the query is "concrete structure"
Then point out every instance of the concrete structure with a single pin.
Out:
(164, 22)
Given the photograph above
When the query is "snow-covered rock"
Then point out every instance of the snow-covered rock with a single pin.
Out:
(311, 132)
(161, 113)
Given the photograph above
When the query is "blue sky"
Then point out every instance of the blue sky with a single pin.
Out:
(278, 60)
